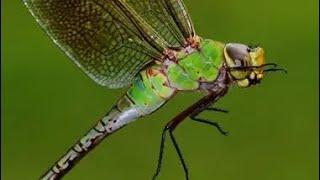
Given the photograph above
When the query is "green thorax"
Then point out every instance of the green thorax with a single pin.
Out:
(185, 71)
(193, 66)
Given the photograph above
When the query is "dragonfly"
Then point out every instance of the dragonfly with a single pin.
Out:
(150, 47)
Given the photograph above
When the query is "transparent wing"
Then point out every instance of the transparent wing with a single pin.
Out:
(168, 17)
(102, 37)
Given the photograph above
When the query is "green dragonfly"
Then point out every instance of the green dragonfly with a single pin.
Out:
(149, 46)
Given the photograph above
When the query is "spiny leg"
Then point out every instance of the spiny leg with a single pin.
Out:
(171, 125)
(161, 151)
(162, 143)
(194, 109)
(194, 117)
(214, 124)
(179, 154)
(217, 109)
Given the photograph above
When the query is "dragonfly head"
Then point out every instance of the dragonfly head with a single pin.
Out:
(246, 64)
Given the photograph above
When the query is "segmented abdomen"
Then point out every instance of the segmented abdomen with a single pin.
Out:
(146, 94)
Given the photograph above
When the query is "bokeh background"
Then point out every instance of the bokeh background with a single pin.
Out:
(47, 103)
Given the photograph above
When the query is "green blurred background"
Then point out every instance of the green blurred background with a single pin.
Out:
(47, 103)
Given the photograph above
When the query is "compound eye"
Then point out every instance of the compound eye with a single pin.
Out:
(237, 52)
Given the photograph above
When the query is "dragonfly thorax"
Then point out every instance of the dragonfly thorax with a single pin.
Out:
(191, 66)
(221, 83)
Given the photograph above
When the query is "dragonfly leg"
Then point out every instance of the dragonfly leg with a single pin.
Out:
(163, 138)
(173, 139)
(192, 112)
(215, 124)
(217, 109)
(194, 117)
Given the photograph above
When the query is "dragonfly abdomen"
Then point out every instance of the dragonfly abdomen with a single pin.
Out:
(150, 90)
(124, 112)
(146, 94)
(116, 118)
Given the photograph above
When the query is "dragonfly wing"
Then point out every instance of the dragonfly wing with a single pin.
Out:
(168, 17)
(103, 37)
